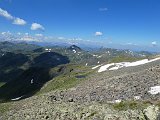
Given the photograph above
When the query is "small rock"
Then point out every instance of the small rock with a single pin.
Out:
(46, 117)
(137, 97)
(118, 101)
(151, 112)
(70, 100)
(53, 98)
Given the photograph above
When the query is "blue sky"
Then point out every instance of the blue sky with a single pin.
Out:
(124, 22)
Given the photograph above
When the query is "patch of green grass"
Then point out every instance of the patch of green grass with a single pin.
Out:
(1, 84)
(124, 58)
(67, 79)
(157, 103)
(125, 105)
(60, 83)
(92, 114)
(4, 107)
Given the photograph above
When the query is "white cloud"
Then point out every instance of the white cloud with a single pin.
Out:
(3, 33)
(18, 21)
(103, 9)
(29, 38)
(129, 44)
(79, 39)
(75, 39)
(154, 43)
(61, 38)
(36, 26)
(98, 34)
(18, 33)
(8, 33)
(72, 43)
(38, 35)
(5, 14)
(26, 34)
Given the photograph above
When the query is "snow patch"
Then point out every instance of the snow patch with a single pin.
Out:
(96, 67)
(105, 67)
(18, 98)
(116, 66)
(48, 50)
(32, 81)
(108, 52)
(140, 62)
(137, 97)
(74, 51)
(95, 55)
(118, 101)
(155, 59)
(99, 56)
(154, 90)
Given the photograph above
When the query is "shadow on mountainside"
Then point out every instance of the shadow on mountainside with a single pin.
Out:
(31, 80)
(9, 65)
(12, 60)
(49, 60)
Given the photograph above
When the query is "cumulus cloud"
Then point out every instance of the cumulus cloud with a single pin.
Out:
(61, 38)
(26, 34)
(18, 21)
(3, 33)
(18, 33)
(154, 43)
(103, 9)
(6, 33)
(130, 44)
(36, 26)
(5, 14)
(38, 35)
(29, 38)
(98, 33)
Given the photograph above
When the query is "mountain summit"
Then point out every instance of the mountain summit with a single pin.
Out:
(74, 47)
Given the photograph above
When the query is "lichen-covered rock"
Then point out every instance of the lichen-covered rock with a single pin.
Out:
(151, 112)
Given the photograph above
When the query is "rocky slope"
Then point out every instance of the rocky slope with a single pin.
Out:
(123, 94)
(41, 108)
(122, 84)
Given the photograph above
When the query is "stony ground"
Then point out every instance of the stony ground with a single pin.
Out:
(123, 84)
(94, 98)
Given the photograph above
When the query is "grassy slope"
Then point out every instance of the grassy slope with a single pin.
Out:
(4, 107)
(124, 59)
(67, 79)
(1, 84)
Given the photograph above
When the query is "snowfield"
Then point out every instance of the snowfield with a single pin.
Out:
(116, 66)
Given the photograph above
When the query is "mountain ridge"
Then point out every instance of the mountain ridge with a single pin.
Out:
(60, 79)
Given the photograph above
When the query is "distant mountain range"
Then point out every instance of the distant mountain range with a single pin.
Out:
(84, 44)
